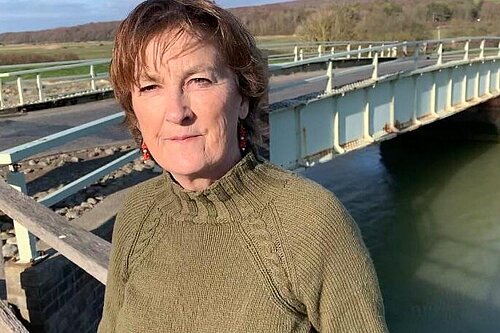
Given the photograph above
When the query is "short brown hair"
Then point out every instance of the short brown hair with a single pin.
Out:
(200, 18)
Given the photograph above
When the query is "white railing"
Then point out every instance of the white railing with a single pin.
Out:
(12, 157)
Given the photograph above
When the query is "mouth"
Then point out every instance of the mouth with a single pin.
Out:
(182, 138)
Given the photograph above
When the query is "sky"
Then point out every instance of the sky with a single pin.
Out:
(26, 15)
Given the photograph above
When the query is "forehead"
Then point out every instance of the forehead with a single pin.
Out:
(178, 47)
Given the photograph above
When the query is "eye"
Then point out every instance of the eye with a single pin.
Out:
(199, 82)
(148, 88)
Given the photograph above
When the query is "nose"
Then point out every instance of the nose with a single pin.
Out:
(177, 109)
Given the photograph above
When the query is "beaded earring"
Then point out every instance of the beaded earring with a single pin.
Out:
(145, 151)
(242, 137)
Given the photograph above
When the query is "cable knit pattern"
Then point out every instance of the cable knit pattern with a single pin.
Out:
(260, 250)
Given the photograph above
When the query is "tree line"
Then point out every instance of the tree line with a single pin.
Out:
(327, 20)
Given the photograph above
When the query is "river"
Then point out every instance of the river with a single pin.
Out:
(428, 207)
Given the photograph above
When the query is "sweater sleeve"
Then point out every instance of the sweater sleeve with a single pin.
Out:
(331, 272)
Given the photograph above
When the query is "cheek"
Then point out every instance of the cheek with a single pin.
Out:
(149, 121)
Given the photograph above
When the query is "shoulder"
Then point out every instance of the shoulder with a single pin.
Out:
(135, 207)
(140, 197)
(301, 200)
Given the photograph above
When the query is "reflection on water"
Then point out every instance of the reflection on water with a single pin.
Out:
(429, 211)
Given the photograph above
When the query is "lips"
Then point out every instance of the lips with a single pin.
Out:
(181, 138)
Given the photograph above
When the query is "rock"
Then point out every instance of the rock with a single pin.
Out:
(75, 159)
(127, 169)
(138, 167)
(62, 211)
(26, 171)
(71, 215)
(6, 235)
(119, 174)
(99, 197)
(92, 201)
(32, 162)
(9, 250)
(109, 151)
(12, 241)
(124, 147)
(63, 156)
(85, 205)
(93, 154)
(42, 164)
(149, 164)
(60, 164)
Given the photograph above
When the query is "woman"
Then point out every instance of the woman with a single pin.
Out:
(222, 241)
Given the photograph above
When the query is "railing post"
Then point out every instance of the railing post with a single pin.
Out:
(416, 55)
(466, 50)
(329, 74)
(440, 54)
(332, 51)
(295, 53)
(359, 51)
(370, 52)
(92, 77)
(382, 52)
(348, 49)
(26, 242)
(498, 49)
(394, 52)
(481, 48)
(320, 50)
(20, 90)
(2, 105)
(39, 87)
(375, 67)
(301, 54)
(405, 49)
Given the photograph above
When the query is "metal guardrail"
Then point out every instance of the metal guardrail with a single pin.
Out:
(11, 157)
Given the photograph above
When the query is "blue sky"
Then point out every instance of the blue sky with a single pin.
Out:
(24, 15)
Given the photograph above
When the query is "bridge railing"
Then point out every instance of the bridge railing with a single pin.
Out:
(442, 51)
(35, 85)
(12, 157)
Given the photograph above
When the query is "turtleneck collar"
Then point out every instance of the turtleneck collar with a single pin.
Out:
(241, 191)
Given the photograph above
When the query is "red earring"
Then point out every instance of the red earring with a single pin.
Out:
(145, 151)
(242, 137)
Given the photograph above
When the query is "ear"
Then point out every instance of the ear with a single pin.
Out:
(244, 108)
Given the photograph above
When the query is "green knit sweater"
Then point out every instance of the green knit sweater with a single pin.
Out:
(260, 250)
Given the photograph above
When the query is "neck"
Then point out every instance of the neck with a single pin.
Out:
(201, 181)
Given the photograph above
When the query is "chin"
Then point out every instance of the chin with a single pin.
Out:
(185, 166)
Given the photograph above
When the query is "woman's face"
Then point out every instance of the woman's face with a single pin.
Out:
(187, 106)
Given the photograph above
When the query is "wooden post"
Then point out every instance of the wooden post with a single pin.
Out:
(26, 242)
(8, 321)
(466, 51)
(481, 49)
(295, 53)
(320, 50)
(348, 49)
(370, 52)
(359, 51)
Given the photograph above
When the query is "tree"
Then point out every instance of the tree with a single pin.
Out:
(335, 23)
